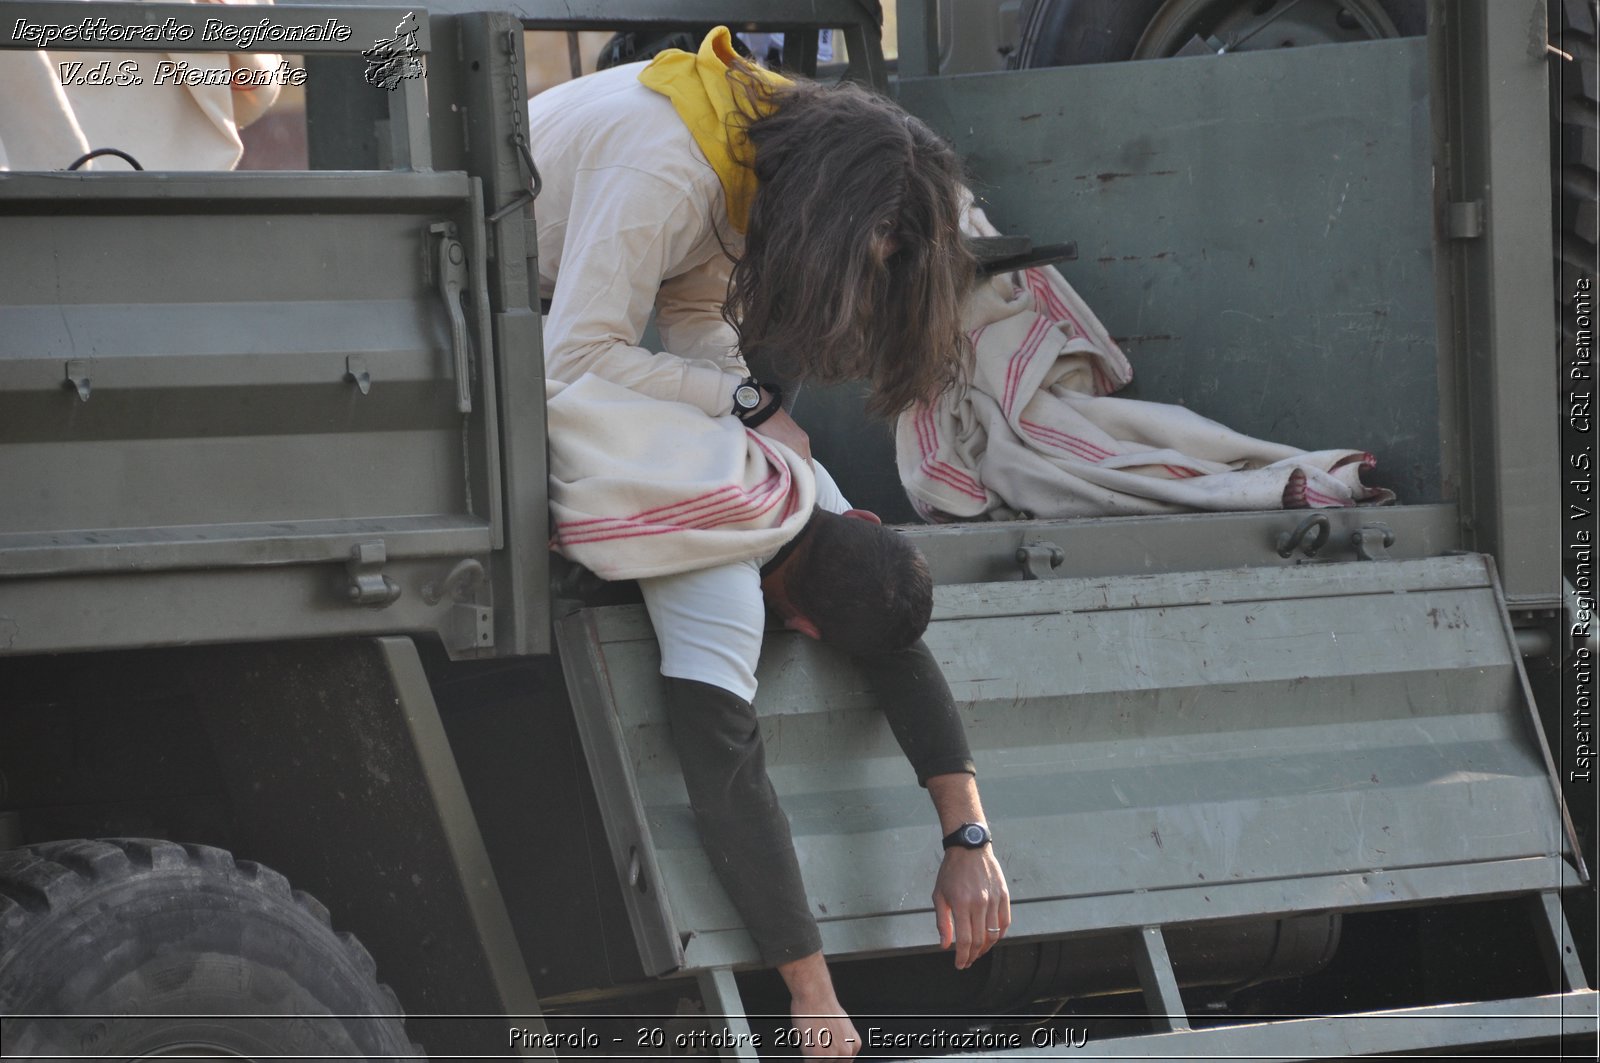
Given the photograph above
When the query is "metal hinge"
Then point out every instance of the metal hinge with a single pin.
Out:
(471, 627)
(1372, 542)
(367, 584)
(1039, 560)
(1465, 221)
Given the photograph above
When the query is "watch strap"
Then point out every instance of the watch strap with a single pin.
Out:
(968, 836)
(756, 418)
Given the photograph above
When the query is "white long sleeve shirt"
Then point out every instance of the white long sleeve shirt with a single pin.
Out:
(632, 217)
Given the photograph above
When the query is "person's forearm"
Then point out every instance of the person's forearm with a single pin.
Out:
(912, 692)
(955, 798)
(808, 979)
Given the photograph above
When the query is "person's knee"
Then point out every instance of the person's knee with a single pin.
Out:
(718, 740)
(709, 624)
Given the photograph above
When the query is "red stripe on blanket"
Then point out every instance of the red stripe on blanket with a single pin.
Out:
(1039, 285)
(722, 510)
(687, 518)
(757, 506)
(951, 477)
(1103, 384)
(787, 485)
(1016, 368)
(709, 498)
(1321, 499)
(917, 414)
(1367, 461)
(1081, 447)
(942, 471)
(747, 505)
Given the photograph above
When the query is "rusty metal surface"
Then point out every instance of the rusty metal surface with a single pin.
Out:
(1254, 229)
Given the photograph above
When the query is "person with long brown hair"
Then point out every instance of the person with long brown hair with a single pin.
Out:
(816, 229)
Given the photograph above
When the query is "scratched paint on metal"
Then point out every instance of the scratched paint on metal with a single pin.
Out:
(1173, 732)
(1254, 229)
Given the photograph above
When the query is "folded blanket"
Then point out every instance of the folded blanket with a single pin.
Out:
(1036, 434)
(641, 487)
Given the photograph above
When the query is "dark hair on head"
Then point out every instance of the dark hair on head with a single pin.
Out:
(853, 265)
(865, 586)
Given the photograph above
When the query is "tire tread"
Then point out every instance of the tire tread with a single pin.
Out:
(39, 880)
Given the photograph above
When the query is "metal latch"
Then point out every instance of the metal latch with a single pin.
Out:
(1372, 542)
(450, 274)
(78, 378)
(356, 371)
(1039, 560)
(368, 585)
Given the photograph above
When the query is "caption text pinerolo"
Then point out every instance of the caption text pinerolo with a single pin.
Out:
(798, 1040)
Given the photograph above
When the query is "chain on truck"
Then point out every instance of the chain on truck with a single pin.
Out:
(276, 604)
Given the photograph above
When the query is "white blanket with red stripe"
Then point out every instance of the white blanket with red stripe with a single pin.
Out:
(1036, 434)
(641, 487)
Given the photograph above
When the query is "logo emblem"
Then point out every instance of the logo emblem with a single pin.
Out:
(397, 59)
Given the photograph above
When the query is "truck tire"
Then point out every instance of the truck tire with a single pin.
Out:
(95, 934)
(1071, 32)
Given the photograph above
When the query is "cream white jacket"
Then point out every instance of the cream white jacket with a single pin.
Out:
(632, 217)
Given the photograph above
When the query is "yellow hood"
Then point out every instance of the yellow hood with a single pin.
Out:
(699, 90)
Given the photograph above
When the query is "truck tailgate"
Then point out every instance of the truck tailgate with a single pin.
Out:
(1153, 749)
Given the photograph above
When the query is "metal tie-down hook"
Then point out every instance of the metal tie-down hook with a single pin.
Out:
(1287, 541)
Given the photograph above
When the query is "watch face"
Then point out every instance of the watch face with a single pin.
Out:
(747, 396)
(973, 835)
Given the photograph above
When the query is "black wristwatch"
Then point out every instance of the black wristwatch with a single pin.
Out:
(746, 398)
(968, 836)
(747, 402)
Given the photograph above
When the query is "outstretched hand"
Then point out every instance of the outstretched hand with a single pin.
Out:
(971, 903)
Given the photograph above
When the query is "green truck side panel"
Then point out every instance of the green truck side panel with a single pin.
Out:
(1254, 230)
(1191, 734)
(1491, 100)
(340, 742)
(228, 447)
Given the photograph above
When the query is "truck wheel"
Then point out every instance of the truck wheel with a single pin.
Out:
(1070, 32)
(95, 934)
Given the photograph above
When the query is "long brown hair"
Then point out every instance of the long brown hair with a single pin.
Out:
(853, 265)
